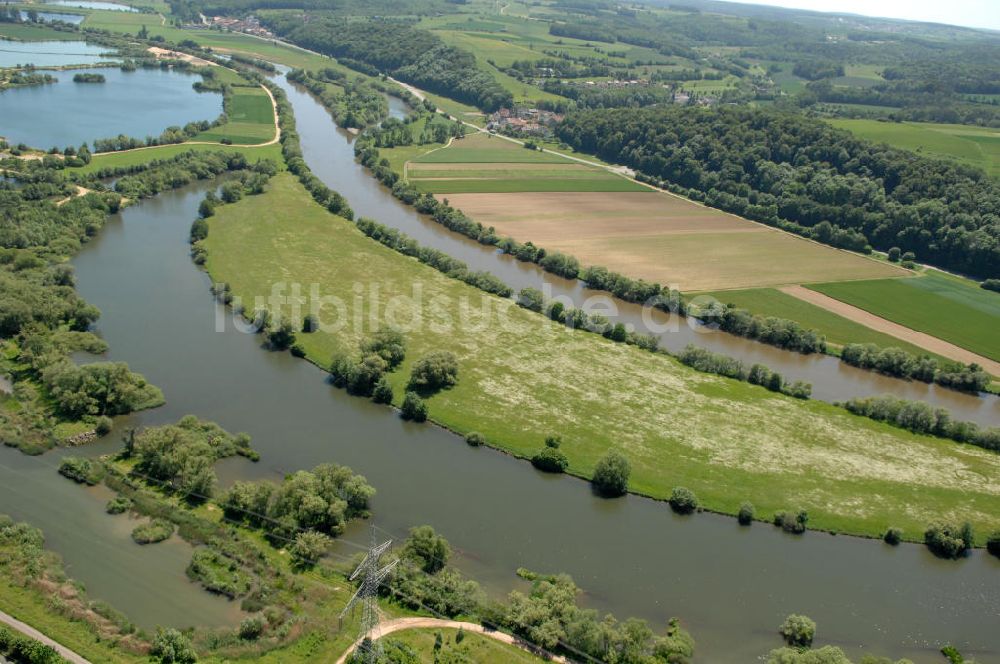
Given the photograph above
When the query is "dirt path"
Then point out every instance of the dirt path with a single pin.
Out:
(30, 631)
(80, 191)
(401, 624)
(925, 341)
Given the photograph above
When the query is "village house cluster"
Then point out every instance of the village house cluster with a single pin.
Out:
(249, 25)
(525, 121)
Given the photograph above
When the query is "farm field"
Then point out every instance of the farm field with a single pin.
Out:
(726, 440)
(666, 239)
(934, 303)
(251, 118)
(837, 329)
(484, 148)
(452, 178)
(973, 146)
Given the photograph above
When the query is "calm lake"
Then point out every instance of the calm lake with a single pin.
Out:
(731, 586)
(93, 4)
(139, 103)
(75, 19)
(49, 53)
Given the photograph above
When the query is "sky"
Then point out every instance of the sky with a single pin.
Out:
(969, 13)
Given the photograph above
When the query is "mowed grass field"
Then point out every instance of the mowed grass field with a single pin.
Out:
(482, 163)
(666, 239)
(473, 648)
(973, 146)
(523, 377)
(251, 118)
(934, 303)
(513, 177)
(837, 329)
(133, 157)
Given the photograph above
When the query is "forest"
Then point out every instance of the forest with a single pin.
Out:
(410, 54)
(804, 176)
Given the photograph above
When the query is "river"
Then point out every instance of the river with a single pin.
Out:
(731, 586)
(329, 152)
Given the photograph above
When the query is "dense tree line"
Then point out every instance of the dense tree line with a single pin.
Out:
(291, 150)
(779, 332)
(410, 54)
(897, 362)
(803, 175)
(359, 105)
(437, 259)
(723, 365)
(920, 417)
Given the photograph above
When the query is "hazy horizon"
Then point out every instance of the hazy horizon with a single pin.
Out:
(982, 14)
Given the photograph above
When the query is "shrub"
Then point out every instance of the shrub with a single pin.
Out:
(170, 646)
(103, 425)
(745, 515)
(308, 548)
(798, 631)
(993, 543)
(413, 407)
(531, 298)
(894, 254)
(475, 439)
(251, 628)
(553, 441)
(893, 536)
(991, 284)
(790, 524)
(428, 549)
(435, 371)
(388, 343)
(310, 323)
(550, 460)
(683, 501)
(199, 229)
(84, 471)
(118, 505)
(281, 334)
(948, 540)
(611, 474)
(155, 531)
(382, 393)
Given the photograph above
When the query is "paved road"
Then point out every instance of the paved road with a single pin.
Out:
(28, 630)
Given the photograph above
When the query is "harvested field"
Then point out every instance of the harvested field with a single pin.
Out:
(666, 239)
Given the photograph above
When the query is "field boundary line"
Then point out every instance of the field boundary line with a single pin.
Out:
(922, 339)
(33, 633)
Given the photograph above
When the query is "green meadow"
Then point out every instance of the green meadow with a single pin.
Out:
(973, 146)
(837, 329)
(523, 377)
(938, 304)
(251, 118)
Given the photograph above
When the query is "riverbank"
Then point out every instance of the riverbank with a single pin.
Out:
(725, 440)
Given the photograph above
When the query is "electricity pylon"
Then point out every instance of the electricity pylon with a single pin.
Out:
(372, 577)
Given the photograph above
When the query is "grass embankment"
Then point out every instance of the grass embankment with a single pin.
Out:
(472, 648)
(133, 157)
(837, 329)
(726, 440)
(935, 303)
(973, 146)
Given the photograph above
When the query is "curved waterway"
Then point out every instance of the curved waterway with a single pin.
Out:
(731, 586)
(330, 155)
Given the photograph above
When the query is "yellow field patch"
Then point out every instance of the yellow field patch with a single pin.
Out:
(666, 239)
